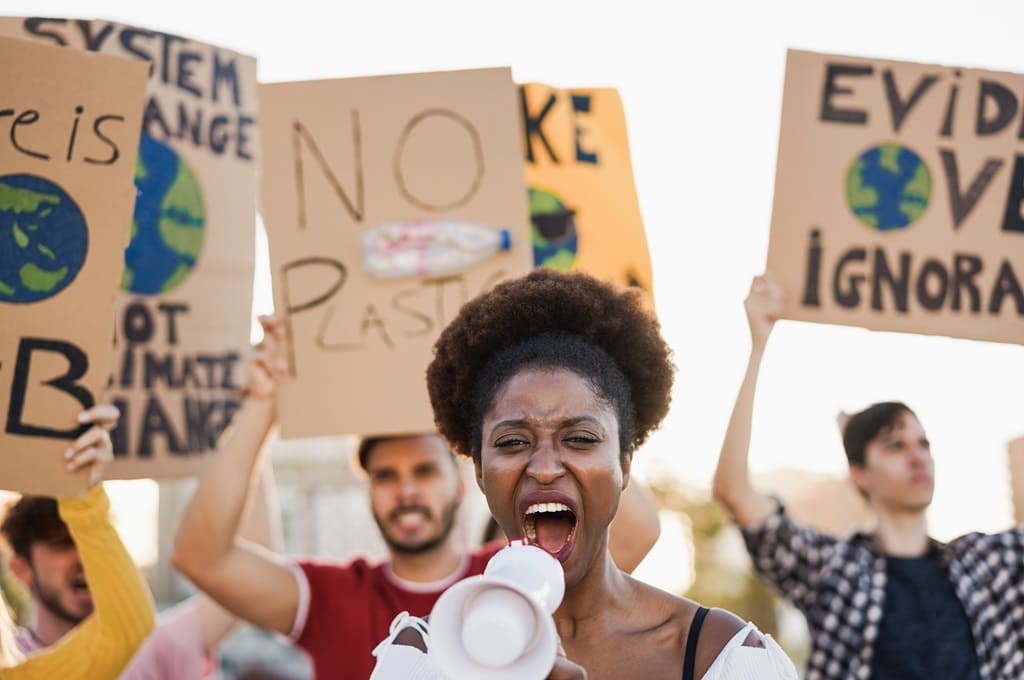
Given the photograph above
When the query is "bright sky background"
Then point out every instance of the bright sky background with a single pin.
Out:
(702, 86)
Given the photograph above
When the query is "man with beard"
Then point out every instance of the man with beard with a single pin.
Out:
(339, 612)
(46, 561)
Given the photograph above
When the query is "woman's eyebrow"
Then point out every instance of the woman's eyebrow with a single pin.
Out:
(576, 420)
(567, 422)
(515, 422)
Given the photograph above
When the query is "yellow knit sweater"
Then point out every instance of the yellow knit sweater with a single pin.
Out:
(105, 642)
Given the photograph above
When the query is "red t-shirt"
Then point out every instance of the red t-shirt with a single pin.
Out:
(351, 606)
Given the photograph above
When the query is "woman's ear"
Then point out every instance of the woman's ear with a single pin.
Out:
(21, 569)
(479, 470)
(626, 462)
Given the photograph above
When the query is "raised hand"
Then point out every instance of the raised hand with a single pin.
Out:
(268, 365)
(763, 306)
(94, 450)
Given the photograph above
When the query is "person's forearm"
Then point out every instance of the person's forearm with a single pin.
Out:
(635, 528)
(261, 525)
(732, 485)
(207, 531)
(251, 583)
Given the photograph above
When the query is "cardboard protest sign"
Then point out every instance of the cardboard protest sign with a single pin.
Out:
(67, 153)
(584, 212)
(898, 197)
(389, 202)
(185, 313)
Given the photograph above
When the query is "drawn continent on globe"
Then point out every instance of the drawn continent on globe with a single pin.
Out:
(552, 230)
(168, 228)
(43, 239)
(888, 187)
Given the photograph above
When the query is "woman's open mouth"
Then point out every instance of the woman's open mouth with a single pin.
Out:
(552, 527)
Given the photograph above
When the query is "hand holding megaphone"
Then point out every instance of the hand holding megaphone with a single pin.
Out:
(498, 626)
(565, 669)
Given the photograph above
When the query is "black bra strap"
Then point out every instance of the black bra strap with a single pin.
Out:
(690, 659)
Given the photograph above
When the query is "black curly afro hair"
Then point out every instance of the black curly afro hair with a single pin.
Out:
(549, 319)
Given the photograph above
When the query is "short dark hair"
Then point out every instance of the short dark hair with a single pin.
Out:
(32, 519)
(863, 426)
(367, 444)
(613, 334)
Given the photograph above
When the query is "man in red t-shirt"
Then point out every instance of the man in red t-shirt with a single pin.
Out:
(345, 610)
(339, 612)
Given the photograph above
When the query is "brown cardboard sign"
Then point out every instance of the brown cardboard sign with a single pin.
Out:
(182, 330)
(584, 212)
(389, 201)
(899, 197)
(67, 153)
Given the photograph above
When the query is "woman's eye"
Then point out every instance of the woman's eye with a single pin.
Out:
(582, 439)
(509, 442)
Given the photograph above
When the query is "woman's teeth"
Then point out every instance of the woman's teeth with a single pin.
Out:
(530, 524)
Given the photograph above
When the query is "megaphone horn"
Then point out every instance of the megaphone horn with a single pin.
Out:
(498, 626)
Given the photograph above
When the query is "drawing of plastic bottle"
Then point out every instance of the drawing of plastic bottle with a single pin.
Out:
(429, 247)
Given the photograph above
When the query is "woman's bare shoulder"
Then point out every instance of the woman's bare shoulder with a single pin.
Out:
(678, 614)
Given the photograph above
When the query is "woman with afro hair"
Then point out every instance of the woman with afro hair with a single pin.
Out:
(550, 383)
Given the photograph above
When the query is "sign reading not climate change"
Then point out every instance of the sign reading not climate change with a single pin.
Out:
(899, 197)
(182, 328)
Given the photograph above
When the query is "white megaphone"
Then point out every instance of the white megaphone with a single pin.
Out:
(499, 626)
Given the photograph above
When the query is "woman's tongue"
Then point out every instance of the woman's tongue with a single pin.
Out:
(553, 530)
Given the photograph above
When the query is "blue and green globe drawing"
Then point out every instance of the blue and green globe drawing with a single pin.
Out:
(553, 231)
(168, 229)
(888, 187)
(43, 239)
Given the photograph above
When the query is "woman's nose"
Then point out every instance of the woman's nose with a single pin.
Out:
(545, 464)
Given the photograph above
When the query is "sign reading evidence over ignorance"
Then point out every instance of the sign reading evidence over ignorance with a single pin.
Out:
(899, 197)
(184, 316)
(389, 202)
(67, 153)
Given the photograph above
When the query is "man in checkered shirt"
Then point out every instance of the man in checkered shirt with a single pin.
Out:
(895, 603)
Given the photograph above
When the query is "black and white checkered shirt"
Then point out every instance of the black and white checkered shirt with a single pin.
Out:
(839, 585)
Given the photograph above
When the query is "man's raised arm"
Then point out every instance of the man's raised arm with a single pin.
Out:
(251, 582)
(732, 487)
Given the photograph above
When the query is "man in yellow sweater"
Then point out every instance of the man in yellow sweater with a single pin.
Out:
(123, 612)
(46, 560)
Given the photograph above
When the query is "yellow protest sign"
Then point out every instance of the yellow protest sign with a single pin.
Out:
(70, 129)
(584, 212)
(898, 197)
